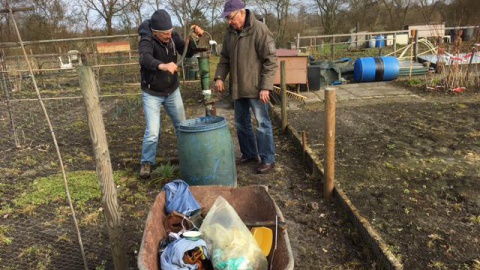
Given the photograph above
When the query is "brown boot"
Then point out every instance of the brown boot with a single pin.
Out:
(245, 160)
(145, 170)
(265, 167)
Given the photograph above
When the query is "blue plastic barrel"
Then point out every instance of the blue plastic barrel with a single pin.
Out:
(370, 69)
(379, 41)
(205, 152)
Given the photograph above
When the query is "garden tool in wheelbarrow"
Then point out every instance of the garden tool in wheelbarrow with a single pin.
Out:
(194, 41)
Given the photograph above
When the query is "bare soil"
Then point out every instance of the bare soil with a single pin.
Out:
(320, 236)
(411, 165)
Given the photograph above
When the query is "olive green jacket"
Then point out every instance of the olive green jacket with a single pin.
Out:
(250, 58)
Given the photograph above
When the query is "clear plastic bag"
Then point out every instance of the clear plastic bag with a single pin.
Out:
(229, 240)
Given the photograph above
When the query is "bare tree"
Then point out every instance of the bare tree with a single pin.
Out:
(189, 11)
(136, 7)
(154, 4)
(48, 18)
(216, 8)
(7, 32)
(82, 17)
(306, 17)
(132, 15)
(107, 10)
(427, 9)
(329, 10)
(365, 14)
(280, 10)
(5, 29)
(464, 12)
(397, 12)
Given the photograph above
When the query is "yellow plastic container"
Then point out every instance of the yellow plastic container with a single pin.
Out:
(264, 238)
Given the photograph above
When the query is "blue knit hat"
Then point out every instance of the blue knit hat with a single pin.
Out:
(161, 21)
(231, 6)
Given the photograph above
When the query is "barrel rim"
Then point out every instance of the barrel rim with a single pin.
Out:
(213, 122)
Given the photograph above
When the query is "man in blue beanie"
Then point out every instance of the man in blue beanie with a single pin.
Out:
(159, 48)
(249, 56)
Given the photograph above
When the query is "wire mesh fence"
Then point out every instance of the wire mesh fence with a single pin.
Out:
(37, 229)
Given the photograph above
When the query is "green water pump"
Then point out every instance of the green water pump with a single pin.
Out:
(208, 100)
(204, 70)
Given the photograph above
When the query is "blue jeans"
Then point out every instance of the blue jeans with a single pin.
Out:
(262, 144)
(152, 107)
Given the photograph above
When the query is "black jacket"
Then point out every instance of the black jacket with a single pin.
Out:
(152, 53)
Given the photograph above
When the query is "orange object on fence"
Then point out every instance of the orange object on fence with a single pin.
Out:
(111, 47)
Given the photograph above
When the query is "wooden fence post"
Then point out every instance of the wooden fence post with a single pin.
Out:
(415, 50)
(283, 85)
(329, 137)
(304, 146)
(356, 36)
(113, 219)
(395, 44)
(298, 41)
(333, 48)
(412, 46)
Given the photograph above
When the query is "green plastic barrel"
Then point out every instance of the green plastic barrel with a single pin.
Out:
(206, 153)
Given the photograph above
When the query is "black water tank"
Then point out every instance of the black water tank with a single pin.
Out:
(468, 33)
(314, 77)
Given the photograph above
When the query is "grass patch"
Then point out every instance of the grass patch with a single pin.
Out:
(3, 189)
(92, 219)
(26, 161)
(85, 193)
(415, 82)
(83, 186)
(4, 239)
(40, 257)
(8, 172)
(475, 220)
(164, 173)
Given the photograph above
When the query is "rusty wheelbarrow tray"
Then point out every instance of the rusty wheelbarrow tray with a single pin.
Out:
(252, 203)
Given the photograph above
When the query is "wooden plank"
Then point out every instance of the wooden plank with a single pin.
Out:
(286, 52)
(111, 47)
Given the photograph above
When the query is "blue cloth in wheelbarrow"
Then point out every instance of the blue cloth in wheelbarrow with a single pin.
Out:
(178, 198)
